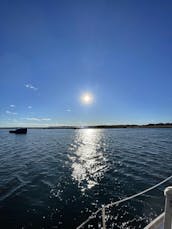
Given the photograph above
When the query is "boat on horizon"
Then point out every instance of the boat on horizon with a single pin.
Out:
(19, 131)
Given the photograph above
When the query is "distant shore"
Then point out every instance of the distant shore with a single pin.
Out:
(156, 125)
(150, 125)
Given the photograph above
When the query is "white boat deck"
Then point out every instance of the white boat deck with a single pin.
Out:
(157, 223)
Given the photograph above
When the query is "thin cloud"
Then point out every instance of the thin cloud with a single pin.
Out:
(37, 119)
(46, 119)
(12, 106)
(24, 124)
(9, 112)
(29, 107)
(68, 110)
(30, 86)
(32, 119)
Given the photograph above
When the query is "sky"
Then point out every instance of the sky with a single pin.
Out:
(52, 52)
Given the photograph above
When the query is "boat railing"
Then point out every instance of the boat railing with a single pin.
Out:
(157, 223)
(168, 206)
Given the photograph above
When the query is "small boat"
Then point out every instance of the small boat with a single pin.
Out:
(19, 131)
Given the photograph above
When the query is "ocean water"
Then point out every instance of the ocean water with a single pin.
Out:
(57, 178)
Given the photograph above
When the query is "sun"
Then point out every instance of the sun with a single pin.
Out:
(87, 98)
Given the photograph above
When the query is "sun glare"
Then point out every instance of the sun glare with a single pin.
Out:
(87, 98)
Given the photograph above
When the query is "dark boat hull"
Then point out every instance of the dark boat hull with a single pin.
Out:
(19, 131)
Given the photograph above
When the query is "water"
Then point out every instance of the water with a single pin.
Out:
(56, 178)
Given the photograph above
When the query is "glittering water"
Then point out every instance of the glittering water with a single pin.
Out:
(56, 178)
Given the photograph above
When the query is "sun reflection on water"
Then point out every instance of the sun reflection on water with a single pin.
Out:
(88, 160)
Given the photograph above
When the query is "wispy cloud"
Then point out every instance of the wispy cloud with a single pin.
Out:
(46, 119)
(31, 86)
(68, 110)
(24, 124)
(37, 119)
(29, 107)
(9, 112)
(32, 119)
(12, 106)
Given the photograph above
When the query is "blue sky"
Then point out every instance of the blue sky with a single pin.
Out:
(53, 51)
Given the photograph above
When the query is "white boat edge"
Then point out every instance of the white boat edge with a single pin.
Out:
(163, 221)
(157, 223)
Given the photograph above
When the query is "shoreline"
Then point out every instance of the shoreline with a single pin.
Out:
(156, 125)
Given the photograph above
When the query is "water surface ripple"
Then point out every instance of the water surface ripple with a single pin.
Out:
(56, 178)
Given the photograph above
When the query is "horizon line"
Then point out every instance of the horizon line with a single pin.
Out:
(91, 126)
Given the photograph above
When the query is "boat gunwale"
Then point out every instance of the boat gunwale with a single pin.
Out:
(157, 223)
